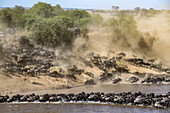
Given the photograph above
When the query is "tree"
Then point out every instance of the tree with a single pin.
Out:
(116, 8)
(12, 17)
(137, 9)
(64, 20)
(53, 33)
(48, 26)
(17, 17)
(124, 30)
(151, 9)
(6, 16)
(144, 12)
(32, 21)
(58, 10)
(42, 9)
(78, 14)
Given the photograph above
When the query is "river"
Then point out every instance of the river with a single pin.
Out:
(88, 107)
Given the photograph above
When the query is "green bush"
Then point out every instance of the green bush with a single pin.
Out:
(12, 17)
(42, 9)
(52, 33)
(125, 33)
(50, 25)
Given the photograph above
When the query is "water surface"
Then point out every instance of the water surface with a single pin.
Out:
(75, 108)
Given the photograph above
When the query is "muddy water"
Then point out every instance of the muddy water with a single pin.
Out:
(88, 108)
(75, 108)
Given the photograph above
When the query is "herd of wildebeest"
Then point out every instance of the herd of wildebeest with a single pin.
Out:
(28, 60)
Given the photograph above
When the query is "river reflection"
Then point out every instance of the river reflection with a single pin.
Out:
(74, 108)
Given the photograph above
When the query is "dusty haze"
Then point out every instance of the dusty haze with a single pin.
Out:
(101, 39)
(159, 26)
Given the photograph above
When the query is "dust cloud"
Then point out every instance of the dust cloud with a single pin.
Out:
(159, 27)
(154, 31)
(101, 39)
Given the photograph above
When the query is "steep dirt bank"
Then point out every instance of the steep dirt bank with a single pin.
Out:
(100, 71)
(18, 83)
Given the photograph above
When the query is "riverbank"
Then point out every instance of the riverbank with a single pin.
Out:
(107, 88)
(44, 84)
